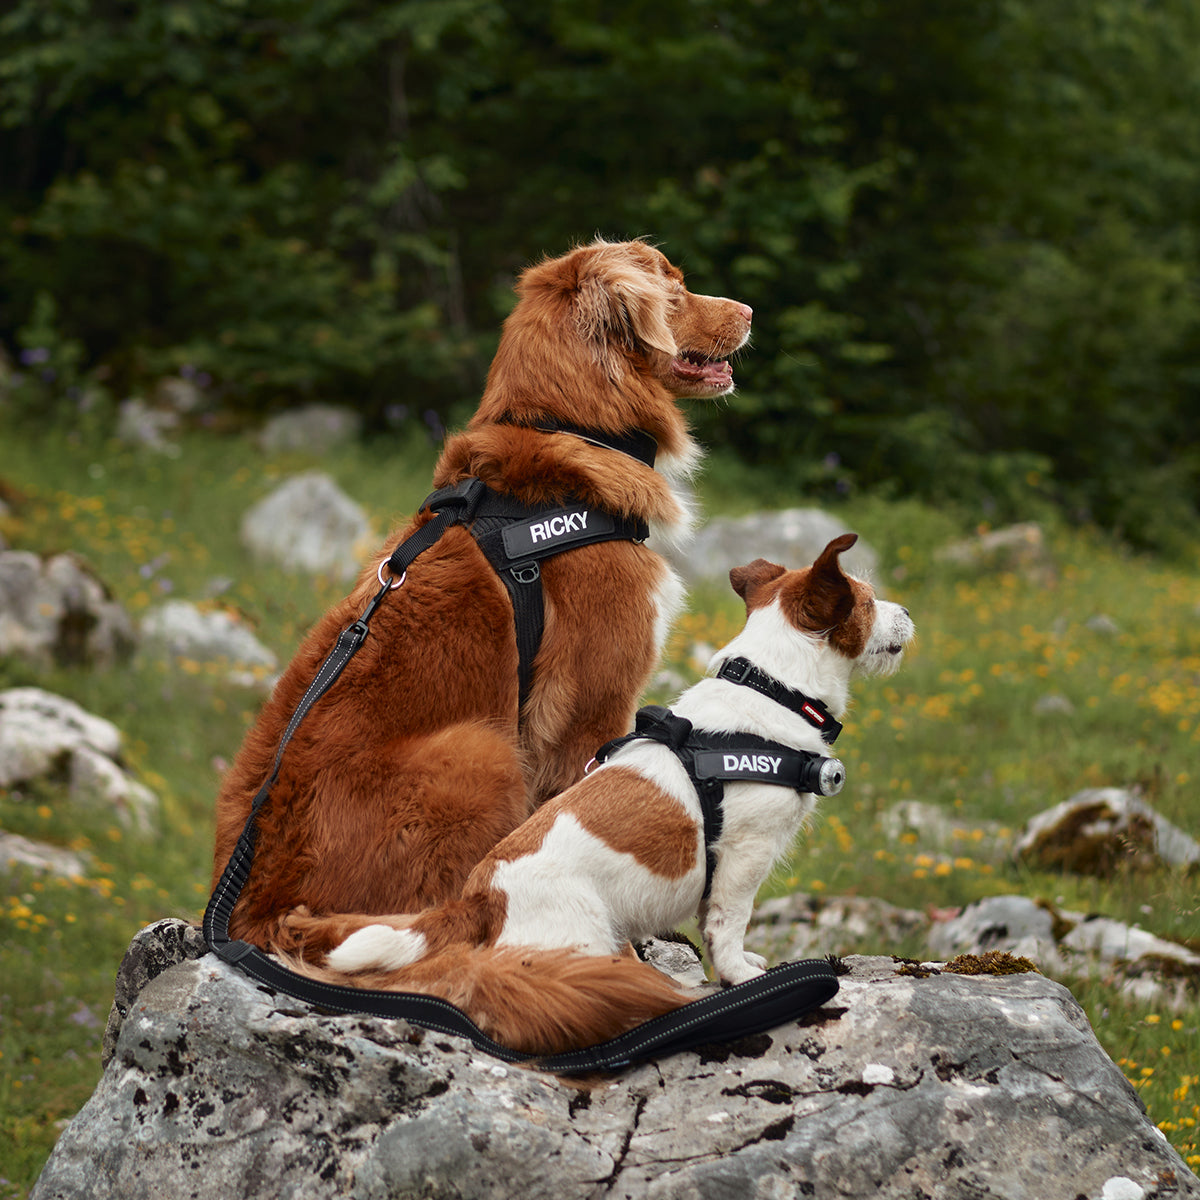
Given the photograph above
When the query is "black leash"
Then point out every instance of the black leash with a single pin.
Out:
(782, 994)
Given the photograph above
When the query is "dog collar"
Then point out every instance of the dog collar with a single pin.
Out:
(637, 443)
(743, 671)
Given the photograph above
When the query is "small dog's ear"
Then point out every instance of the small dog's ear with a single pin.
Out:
(839, 545)
(827, 598)
(750, 579)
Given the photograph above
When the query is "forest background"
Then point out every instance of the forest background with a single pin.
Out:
(969, 232)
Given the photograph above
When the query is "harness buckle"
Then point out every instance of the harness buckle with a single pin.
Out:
(528, 572)
(736, 670)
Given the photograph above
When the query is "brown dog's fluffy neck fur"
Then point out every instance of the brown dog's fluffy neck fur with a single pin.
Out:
(540, 468)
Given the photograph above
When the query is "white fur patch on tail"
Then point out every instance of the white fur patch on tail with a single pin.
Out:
(378, 947)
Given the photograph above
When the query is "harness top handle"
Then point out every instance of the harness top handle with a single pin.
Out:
(784, 993)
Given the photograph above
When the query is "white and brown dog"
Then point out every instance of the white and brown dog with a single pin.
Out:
(533, 949)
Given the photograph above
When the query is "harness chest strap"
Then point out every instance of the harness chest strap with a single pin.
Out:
(515, 538)
(713, 759)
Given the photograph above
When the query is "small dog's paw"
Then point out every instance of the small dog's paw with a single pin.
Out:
(745, 970)
(297, 917)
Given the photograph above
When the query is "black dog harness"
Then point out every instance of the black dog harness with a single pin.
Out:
(515, 540)
(713, 759)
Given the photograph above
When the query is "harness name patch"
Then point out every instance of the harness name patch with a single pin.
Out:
(759, 764)
(555, 531)
(541, 531)
(744, 764)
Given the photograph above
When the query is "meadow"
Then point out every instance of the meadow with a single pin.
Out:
(958, 728)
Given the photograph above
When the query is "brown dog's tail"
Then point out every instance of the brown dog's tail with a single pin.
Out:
(536, 1001)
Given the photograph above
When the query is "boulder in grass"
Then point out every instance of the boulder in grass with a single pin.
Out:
(1099, 831)
(44, 736)
(56, 610)
(1019, 548)
(790, 536)
(309, 430)
(1073, 945)
(181, 630)
(1004, 924)
(802, 925)
(21, 853)
(308, 525)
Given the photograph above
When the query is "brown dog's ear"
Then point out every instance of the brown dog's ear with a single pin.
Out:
(825, 598)
(622, 303)
(749, 580)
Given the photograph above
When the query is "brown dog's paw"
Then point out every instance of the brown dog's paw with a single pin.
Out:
(297, 917)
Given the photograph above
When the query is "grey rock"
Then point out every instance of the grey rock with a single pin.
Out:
(55, 610)
(802, 925)
(1021, 548)
(790, 536)
(1100, 829)
(1145, 967)
(178, 395)
(152, 951)
(1053, 704)
(951, 1087)
(1010, 924)
(1072, 945)
(1103, 624)
(179, 629)
(17, 852)
(148, 427)
(677, 959)
(44, 735)
(308, 525)
(312, 429)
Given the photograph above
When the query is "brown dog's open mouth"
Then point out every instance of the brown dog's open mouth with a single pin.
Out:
(715, 373)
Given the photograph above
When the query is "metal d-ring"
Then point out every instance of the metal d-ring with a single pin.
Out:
(393, 583)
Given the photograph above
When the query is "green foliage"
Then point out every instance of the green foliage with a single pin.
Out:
(969, 232)
(50, 382)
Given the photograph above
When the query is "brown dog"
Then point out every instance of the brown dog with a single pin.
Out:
(421, 758)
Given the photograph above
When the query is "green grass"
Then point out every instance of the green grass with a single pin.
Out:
(956, 728)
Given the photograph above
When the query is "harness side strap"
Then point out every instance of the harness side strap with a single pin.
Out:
(453, 506)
